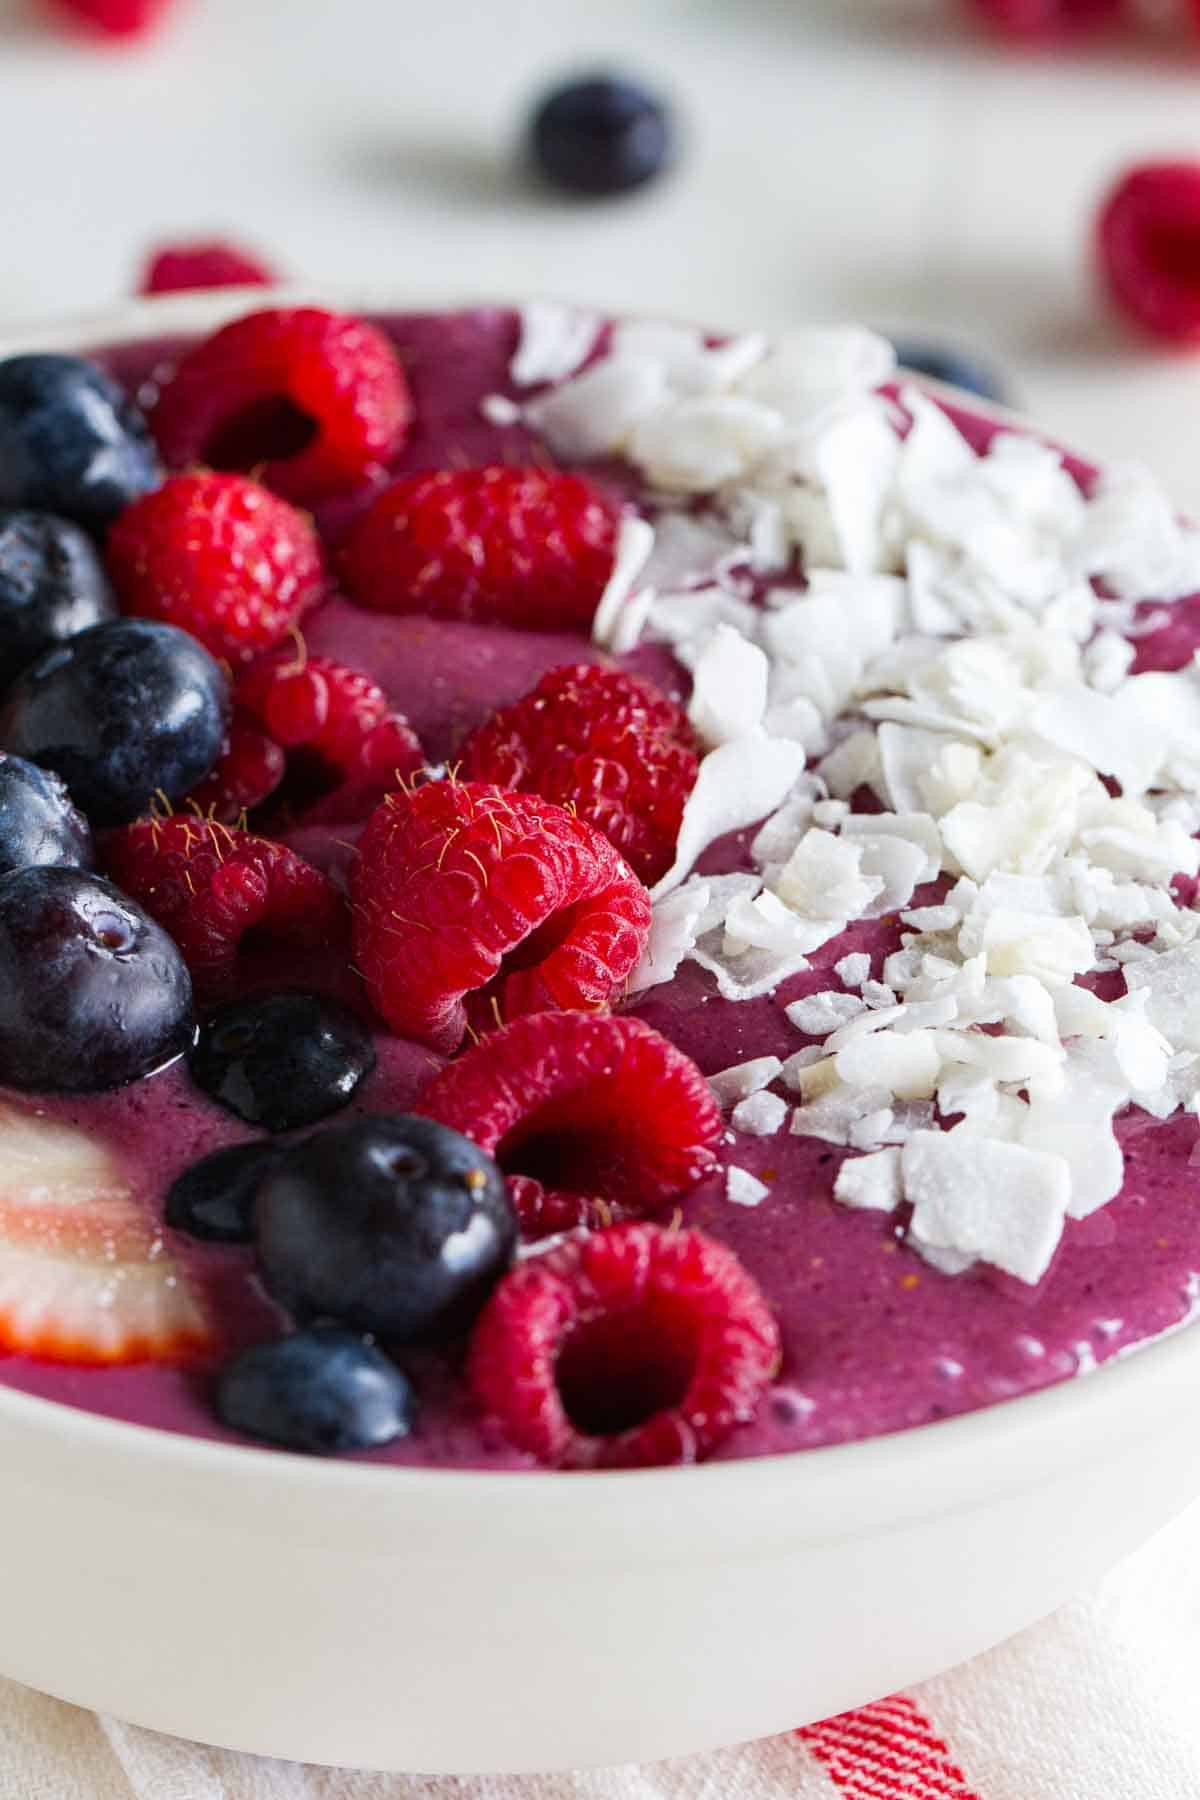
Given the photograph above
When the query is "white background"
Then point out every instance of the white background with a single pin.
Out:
(844, 158)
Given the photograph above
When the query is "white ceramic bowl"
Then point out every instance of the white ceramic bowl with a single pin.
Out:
(449, 1621)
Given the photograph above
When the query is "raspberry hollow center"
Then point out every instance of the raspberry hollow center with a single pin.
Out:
(617, 1372)
(269, 429)
(577, 1146)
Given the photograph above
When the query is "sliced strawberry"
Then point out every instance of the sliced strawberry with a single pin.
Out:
(85, 1273)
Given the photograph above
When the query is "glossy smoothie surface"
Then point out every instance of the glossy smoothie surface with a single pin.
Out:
(875, 1340)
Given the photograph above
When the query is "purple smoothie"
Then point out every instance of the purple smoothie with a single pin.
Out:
(875, 1340)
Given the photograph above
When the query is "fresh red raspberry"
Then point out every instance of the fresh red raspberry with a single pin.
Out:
(313, 401)
(495, 545)
(348, 747)
(475, 905)
(1044, 19)
(250, 769)
(177, 268)
(583, 1114)
(113, 18)
(1148, 244)
(612, 747)
(221, 557)
(628, 1348)
(208, 886)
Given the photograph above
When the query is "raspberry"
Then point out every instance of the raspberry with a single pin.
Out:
(578, 1110)
(1148, 243)
(316, 402)
(208, 886)
(219, 556)
(340, 724)
(627, 1348)
(1041, 19)
(250, 769)
(175, 268)
(114, 18)
(473, 903)
(495, 545)
(606, 744)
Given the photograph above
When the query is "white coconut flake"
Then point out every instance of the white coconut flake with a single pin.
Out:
(729, 688)
(854, 969)
(835, 1111)
(816, 1015)
(906, 1063)
(823, 879)
(738, 784)
(635, 541)
(594, 414)
(874, 1130)
(554, 341)
(498, 409)
(761, 1115)
(696, 446)
(675, 924)
(743, 1079)
(1103, 730)
(977, 1197)
(744, 1189)
(1077, 1125)
(870, 1183)
(796, 1067)
(807, 371)
(1171, 984)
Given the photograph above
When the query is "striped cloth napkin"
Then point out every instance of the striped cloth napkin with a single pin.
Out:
(1100, 1702)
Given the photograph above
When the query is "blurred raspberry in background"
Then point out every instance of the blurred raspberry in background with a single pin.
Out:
(208, 263)
(111, 18)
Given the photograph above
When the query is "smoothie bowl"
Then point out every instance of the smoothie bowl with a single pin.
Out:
(581, 899)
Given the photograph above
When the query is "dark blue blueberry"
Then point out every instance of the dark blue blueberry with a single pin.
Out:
(38, 824)
(71, 442)
(392, 1225)
(124, 712)
(601, 135)
(957, 368)
(52, 586)
(92, 992)
(282, 1060)
(320, 1391)
(215, 1198)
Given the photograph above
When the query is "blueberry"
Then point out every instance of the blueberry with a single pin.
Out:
(71, 442)
(390, 1224)
(52, 586)
(214, 1199)
(321, 1391)
(282, 1060)
(39, 826)
(601, 135)
(957, 368)
(126, 711)
(92, 992)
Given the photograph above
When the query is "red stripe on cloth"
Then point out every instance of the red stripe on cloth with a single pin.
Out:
(889, 1751)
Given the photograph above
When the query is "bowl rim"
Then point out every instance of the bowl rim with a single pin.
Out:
(946, 1463)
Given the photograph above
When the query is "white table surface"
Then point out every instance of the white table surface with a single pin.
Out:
(845, 158)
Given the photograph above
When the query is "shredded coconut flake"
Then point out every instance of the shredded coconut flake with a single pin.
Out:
(743, 1188)
(761, 1115)
(554, 341)
(870, 1183)
(744, 1079)
(979, 1197)
(739, 784)
(635, 541)
(854, 969)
